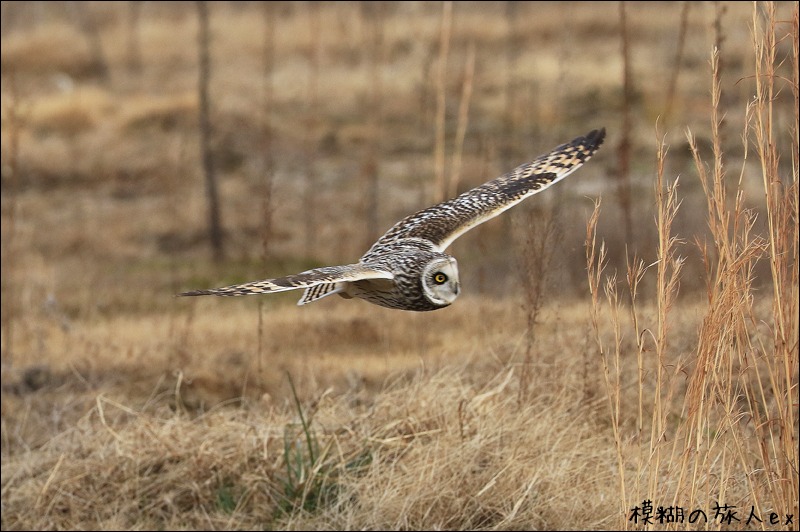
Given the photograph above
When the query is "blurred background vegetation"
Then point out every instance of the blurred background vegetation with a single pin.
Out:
(327, 123)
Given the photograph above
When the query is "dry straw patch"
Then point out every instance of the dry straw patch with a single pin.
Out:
(436, 452)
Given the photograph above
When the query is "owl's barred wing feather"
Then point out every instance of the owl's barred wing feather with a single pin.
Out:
(328, 275)
(443, 223)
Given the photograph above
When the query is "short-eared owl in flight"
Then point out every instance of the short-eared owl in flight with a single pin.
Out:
(407, 267)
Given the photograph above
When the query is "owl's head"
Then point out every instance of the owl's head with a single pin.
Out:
(440, 281)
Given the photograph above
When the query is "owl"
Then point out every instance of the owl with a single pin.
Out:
(407, 268)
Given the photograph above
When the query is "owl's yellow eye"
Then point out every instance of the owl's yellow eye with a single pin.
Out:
(440, 278)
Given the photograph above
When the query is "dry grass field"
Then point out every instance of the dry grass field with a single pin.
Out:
(624, 352)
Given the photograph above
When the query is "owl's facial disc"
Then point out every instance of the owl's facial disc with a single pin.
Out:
(440, 281)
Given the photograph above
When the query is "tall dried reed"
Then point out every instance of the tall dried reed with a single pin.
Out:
(727, 435)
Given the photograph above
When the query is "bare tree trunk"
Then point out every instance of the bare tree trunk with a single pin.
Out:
(624, 147)
(672, 86)
(463, 118)
(269, 159)
(214, 224)
(89, 29)
(11, 160)
(507, 146)
(440, 190)
(373, 16)
(425, 112)
(134, 50)
(314, 58)
(268, 162)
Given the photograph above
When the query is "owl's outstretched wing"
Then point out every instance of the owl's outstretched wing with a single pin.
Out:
(444, 222)
(318, 283)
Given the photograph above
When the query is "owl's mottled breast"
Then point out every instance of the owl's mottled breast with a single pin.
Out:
(407, 259)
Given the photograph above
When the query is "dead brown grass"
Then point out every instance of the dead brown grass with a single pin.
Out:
(387, 463)
(675, 380)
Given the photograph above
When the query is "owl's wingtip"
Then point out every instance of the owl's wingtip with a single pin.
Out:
(194, 293)
(597, 135)
(592, 140)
